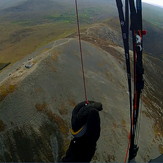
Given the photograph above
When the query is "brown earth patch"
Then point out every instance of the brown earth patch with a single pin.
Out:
(72, 102)
(123, 122)
(160, 148)
(53, 117)
(62, 110)
(154, 113)
(41, 107)
(5, 90)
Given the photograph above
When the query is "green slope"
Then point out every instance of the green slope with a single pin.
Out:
(31, 24)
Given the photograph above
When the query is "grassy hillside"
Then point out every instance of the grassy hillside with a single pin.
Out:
(38, 109)
(33, 23)
(153, 40)
(9, 3)
(26, 25)
(153, 14)
(18, 41)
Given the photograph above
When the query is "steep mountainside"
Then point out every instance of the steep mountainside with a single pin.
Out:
(153, 40)
(109, 30)
(153, 14)
(48, 92)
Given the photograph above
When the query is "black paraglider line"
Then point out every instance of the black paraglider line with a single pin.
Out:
(136, 28)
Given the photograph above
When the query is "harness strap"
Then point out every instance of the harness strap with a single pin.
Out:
(80, 132)
(137, 36)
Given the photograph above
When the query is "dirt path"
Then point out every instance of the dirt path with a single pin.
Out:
(18, 71)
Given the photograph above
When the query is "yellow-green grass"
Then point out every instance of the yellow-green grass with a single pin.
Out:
(5, 90)
(17, 41)
(3, 65)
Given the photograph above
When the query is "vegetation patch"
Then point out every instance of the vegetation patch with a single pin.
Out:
(63, 110)
(153, 112)
(25, 144)
(123, 122)
(2, 126)
(161, 148)
(87, 16)
(72, 102)
(30, 38)
(20, 34)
(24, 22)
(31, 35)
(53, 117)
(158, 129)
(55, 55)
(41, 107)
(5, 90)
(3, 65)
(103, 44)
(59, 122)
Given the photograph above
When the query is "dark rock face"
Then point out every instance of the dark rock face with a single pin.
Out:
(28, 145)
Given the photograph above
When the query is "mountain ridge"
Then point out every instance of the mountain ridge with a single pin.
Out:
(60, 68)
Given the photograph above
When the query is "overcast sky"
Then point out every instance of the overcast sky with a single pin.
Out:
(156, 2)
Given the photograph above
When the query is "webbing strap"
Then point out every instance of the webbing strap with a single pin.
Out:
(136, 28)
(124, 22)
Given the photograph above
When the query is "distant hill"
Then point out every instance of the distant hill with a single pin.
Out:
(35, 23)
(153, 14)
(32, 10)
(153, 40)
(19, 10)
(42, 10)
(9, 3)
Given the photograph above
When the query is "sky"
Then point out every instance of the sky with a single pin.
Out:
(155, 2)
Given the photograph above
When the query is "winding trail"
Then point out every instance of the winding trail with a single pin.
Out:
(18, 69)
